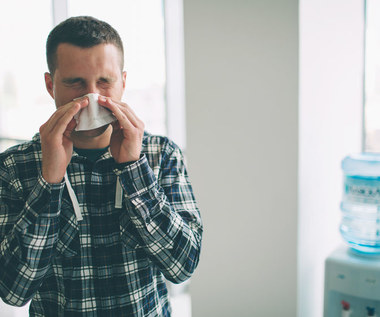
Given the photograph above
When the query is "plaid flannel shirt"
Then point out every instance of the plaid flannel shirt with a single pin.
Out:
(113, 262)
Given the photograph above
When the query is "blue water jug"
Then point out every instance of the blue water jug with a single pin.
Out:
(360, 225)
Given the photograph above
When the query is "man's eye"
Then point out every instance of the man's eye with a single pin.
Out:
(74, 83)
(104, 83)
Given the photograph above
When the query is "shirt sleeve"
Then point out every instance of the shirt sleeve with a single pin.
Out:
(165, 214)
(29, 229)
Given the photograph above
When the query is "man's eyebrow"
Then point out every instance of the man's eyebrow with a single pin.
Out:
(107, 79)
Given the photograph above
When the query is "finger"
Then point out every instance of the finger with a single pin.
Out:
(128, 111)
(122, 112)
(63, 116)
(70, 128)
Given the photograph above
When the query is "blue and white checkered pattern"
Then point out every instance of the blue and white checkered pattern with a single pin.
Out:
(112, 263)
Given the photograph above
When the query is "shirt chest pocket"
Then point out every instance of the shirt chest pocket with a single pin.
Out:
(68, 242)
(128, 233)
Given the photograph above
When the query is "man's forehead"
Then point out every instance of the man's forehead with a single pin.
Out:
(69, 56)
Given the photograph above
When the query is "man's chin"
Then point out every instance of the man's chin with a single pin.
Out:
(90, 133)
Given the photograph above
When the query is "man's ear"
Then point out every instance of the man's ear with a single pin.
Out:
(124, 78)
(49, 84)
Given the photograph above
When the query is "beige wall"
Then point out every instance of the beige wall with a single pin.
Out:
(241, 64)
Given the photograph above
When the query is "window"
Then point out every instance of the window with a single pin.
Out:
(372, 77)
(24, 102)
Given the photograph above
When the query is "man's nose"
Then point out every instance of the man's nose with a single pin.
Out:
(92, 88)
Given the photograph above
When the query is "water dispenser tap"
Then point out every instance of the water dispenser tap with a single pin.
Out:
(371, 311)
(346, 311)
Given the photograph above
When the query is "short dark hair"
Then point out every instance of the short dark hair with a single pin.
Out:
(82, 31)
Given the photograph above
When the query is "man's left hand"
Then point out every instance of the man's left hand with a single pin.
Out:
(128, 131)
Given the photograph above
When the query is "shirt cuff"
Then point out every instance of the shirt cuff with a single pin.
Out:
(136, 178)
(44, 201)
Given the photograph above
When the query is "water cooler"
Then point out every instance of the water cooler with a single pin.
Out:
(352, 271)
(352, 284)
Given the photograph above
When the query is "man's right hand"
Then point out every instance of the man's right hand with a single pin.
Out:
(56, 142)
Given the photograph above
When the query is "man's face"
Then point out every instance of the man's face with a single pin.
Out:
(81, 71)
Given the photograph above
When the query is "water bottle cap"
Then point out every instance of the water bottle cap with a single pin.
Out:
(362, 164)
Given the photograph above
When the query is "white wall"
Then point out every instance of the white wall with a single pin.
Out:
(241, 65)
(11, 311)
(331, 81)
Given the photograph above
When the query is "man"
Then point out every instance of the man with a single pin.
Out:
(91, 222)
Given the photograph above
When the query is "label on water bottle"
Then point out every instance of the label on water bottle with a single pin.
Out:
(365, 190)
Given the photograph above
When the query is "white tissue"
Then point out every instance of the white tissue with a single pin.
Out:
(93, 116)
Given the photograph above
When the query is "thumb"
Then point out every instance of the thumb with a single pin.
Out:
(70, 128)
